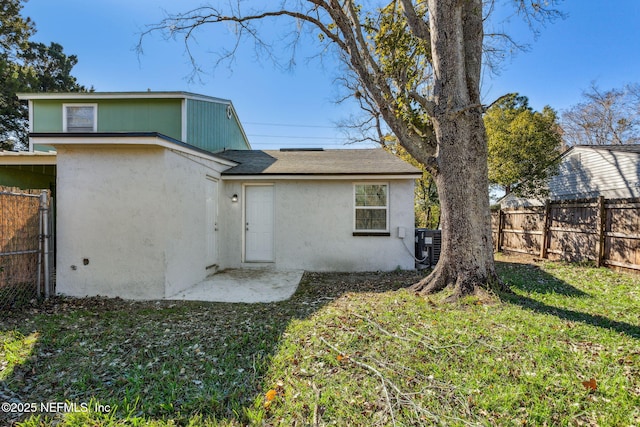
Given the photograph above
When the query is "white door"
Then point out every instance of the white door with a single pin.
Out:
(259, 223)
(211, 231)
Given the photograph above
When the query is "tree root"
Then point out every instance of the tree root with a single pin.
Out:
(463, 284)
(435, 282)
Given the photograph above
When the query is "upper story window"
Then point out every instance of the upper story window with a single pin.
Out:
(371, 207)
(80, 118)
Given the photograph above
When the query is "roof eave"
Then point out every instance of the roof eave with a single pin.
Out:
(121, 95)
(320, 176)
(28, 158)
(125, 138)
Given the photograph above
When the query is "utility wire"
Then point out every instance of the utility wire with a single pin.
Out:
(298, 137)
(289, 125)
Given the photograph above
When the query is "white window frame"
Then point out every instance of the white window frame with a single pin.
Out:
(64, 115)
(357, 231)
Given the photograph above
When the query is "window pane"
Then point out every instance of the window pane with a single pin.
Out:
(380, 194)
(360, 195)
(371, 219)
(371, 195)
(80, 119)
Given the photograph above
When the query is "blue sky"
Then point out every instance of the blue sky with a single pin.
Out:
(597, 42)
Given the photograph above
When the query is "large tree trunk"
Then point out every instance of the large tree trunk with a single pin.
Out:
(466, 260)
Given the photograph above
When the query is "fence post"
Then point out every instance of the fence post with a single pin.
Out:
(601, 224)
(500, 231)
(40, 253)
(545, 229)
(44, 218)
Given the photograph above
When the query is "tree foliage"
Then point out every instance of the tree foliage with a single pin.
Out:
(15, 30)
(524, 145)
(609, 117)
(26, 66)
(49, 69)
(14, 35)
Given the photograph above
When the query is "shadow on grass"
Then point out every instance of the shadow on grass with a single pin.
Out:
(575, 316)
(532, 279)
(165, 360)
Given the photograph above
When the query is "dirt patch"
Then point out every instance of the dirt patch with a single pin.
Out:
(336, 284)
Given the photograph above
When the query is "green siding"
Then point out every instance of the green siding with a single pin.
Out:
(47, 116)
(208, 125)
(117, 115)
(141, 115)
(28, 177)
(209, 128)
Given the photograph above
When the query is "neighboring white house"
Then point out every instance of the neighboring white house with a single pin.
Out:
(589, 171)
(144, 215)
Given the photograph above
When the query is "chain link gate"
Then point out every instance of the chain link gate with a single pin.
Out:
(26, 243)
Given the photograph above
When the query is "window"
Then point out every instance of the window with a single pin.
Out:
(371, 208)
(80, 117)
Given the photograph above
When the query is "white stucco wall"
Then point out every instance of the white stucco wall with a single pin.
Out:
(107, 213)
(230, 225)
(314, 228)
(136, 214)
(184, 204)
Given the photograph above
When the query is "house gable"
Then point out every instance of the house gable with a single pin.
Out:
(214, 126)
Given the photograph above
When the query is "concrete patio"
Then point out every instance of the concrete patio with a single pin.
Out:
(257, 285)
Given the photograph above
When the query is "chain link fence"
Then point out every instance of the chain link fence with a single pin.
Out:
(25, 257)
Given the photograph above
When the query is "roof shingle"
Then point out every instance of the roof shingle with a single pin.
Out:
(316, 162)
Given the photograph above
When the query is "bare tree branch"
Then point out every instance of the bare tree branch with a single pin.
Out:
(603, 118)
(418, 25)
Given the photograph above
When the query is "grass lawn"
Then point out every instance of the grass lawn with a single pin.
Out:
(347, 349)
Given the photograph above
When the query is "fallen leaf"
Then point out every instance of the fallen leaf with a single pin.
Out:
(341, 357)
(270, 395)
(590, 385)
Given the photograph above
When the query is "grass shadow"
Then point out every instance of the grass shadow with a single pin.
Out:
(165, 359)
(534, 280)
(531, 278)
(173, 362)
(573, 315)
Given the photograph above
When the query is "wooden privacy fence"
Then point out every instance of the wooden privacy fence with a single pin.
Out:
(600, 230)
(26, 262)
